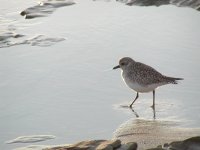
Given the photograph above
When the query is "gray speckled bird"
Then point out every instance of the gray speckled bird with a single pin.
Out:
(142, 78)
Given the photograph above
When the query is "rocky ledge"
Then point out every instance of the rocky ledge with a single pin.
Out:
(45, 8)
(188, 144)
(180, 3)
(97, 145)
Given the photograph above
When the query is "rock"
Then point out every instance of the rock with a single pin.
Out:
(11, 39)
(6, 35)
(104, 147)
(83, 145)
(188, 144)
(31, 139)
(158, 148)
(180, 3)
(43, 41)
(150, 133)
(128, 146)
(109, 145)
(90, 145)
(114, 143)
(148, 2)
(45, 8)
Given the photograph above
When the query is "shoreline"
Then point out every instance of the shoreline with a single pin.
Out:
(138, 134)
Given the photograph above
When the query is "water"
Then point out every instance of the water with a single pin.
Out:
(67, 89)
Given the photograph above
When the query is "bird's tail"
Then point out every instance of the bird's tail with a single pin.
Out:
(173, 80)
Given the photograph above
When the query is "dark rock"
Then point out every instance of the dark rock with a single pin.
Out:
(158, 148)
(91, 145)
(6, 35)
(104, 147)
(188, 144)
(44, 8)
(128, 146)
(180, 3)
(148, 2)
(9, 39)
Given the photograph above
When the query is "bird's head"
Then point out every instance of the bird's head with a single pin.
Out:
(124, 63)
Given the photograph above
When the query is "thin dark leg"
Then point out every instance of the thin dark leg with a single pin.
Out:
(154, 114)
(153, 106)
(134, 99)
(135, 113)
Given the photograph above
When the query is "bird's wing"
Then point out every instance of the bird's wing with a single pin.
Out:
(146, 74)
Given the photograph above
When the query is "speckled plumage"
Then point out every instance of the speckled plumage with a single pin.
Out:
(143, 74)
(141, 77)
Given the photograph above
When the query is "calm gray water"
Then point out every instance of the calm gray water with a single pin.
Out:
(69, 90)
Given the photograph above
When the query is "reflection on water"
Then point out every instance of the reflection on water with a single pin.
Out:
(134, 112)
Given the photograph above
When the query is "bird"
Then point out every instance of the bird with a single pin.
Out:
(142, 78)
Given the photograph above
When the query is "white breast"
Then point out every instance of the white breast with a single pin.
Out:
(139, 88)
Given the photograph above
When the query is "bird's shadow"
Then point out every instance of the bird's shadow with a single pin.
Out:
(135, 113)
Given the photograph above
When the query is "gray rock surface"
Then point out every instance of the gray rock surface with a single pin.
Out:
(128, 146)
(45, 8)
(188, 144)
(180, 3)
(151, 133)
(96, 145)
(31, 139)
(12, 39)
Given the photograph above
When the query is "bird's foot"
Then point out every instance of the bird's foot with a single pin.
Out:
(153, 106)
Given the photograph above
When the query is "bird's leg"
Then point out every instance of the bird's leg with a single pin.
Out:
(153, 106)
(154, 114)
(135, 113)
(134, 99)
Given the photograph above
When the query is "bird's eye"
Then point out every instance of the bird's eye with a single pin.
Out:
(122, 64)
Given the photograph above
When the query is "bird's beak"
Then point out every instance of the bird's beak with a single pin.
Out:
(116, 67)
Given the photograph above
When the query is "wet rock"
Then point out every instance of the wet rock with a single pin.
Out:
(6, 35)
(96, 145)
(31, 139)
(180, 3)
(84, 145)
(45, 8)
(114, 143)
(128, 146)
(104, 147)
(148, 2)
(150, 133)
(91, 144)
(158, 148)
(9, 39)
(42, 41)
(109, 145)
(188, 144)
